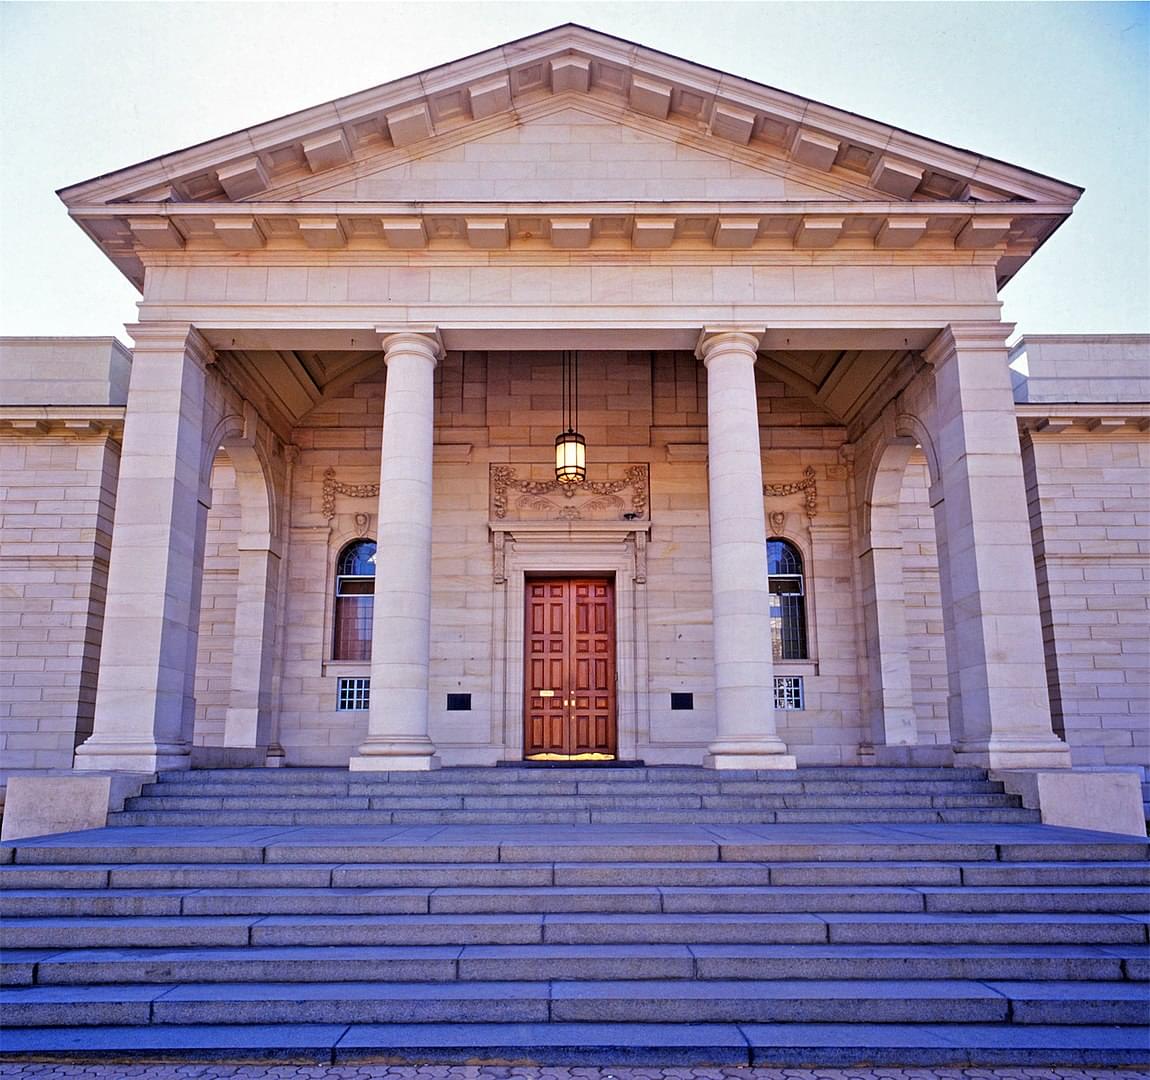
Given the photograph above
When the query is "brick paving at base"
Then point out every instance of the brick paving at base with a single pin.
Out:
(219, 1071)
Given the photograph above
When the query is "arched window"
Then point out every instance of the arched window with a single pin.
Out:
(788, 601)
(354, 601)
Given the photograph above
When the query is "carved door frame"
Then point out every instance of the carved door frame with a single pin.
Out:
(565, 549)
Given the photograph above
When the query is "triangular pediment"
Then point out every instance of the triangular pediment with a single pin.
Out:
(656, 130)
(571, 152)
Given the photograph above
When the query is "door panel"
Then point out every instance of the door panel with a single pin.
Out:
(569, 699)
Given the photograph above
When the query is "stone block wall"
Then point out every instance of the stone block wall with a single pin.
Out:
(217, 606)
(57, 499)
(922, 602)
(1089, 498)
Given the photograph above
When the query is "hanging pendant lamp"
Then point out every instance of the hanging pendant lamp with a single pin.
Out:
(570, 446)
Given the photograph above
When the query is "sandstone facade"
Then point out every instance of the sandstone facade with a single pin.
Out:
(786, 326)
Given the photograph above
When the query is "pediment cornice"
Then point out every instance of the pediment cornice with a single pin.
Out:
(859, 161)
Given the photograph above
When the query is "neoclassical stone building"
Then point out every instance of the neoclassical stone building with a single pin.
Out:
(313, 517)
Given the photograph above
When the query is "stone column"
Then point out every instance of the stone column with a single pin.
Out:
(746, 736)
(156, 568)
(401, 630)
(994, 637)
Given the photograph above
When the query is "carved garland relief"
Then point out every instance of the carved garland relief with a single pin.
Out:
(548, 500)
(807, 487)
(333, 487)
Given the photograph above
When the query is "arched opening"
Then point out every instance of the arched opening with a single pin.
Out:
(238, 601)
(906, 692)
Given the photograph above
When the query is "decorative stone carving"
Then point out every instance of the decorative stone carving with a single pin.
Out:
(778, 520)
(807, 486)
(333, 487)
(640, 558)
(499, 539)
(524, 499)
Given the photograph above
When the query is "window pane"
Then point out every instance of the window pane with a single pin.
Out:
(358, 559)
(353, 627)
(354, 603)
(788, 608)
(783, 558)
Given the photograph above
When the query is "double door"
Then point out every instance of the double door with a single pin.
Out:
(569, 697)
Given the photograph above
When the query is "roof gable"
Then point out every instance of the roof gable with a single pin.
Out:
(366, 158)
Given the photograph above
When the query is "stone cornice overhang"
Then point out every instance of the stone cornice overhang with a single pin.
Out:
(303, 153)
(62, 420)
(1094, 418)
(1005, 233)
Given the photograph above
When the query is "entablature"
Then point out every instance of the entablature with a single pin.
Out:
(1083, 419)
(63, 420)
(143, 234)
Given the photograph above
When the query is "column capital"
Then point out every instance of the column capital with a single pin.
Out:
(967, 337)
(739, 335)
(414, 336)
(171, 337)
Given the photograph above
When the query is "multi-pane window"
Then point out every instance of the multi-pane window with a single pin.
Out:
(354, 695)
(788, 601)
(788, 692)
(354, 601)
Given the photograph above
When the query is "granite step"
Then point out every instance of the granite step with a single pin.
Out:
(567, 1044)
(649, 801)
(572, 928)
(587, 1001)
(820, 844)
(391, 900)
(1002, 876)
(517, 773)
(712, 784)
(542, 963)
(159, 818)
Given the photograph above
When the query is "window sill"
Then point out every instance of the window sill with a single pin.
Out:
(796, 667)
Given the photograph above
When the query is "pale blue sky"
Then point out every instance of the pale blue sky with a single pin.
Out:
(1064, 89)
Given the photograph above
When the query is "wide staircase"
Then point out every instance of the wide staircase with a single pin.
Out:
(549, 795)
(602, 915)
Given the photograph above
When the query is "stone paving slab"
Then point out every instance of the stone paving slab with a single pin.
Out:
(524, 1072)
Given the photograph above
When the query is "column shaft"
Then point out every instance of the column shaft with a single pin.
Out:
(746, 735)
(994, 643)
(397, 735)
(142, 722)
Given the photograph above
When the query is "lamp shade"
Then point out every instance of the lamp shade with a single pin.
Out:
(570, 457)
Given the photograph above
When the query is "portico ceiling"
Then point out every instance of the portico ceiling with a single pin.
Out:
(839, 381)
(262, 189)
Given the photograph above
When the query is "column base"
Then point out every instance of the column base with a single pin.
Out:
(749, 761)
(1013, 754)
(393, 763)
(770, 754)
(407, 755)
(132, 757)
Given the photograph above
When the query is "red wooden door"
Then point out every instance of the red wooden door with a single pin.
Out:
(569, 697)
